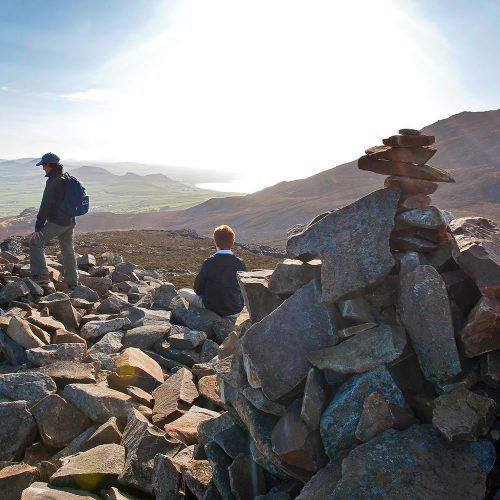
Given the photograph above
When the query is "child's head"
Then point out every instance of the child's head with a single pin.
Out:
(224, 237)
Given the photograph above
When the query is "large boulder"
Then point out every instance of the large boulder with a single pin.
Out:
(97, 402)
(28, 386)
(426, 315)
(144, 337)
(59, 422)
(17, 431)
(415, 463)
(352, 242)
(275, 349)
(362, 352)
(341, 416)
(92, 470)
(477, 252)
(13, 291)
(53, 353)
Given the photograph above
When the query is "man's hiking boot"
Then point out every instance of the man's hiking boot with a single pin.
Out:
(41, 279)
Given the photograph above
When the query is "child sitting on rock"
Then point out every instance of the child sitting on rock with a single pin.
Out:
(216, 286)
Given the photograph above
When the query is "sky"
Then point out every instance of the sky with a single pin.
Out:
(270, 89)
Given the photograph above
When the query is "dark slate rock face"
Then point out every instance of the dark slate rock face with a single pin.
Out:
(352, 242)
(415, 463)
(339, 420)
(426, 315)
(275, 348)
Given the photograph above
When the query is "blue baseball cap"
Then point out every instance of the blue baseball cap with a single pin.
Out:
(48, 158)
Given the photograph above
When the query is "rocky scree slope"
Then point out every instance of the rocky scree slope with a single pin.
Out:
(368, 364)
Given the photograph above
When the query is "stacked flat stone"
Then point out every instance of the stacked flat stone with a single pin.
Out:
(403, 157)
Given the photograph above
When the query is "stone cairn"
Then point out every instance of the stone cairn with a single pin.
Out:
(369, 366)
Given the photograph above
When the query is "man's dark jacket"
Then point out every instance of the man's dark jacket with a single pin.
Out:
(53, 196)
(217, 284)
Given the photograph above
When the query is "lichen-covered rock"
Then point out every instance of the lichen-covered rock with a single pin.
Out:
(415, 463)
(341, 416)
(352, 242)
(28, 386)
(462, 415)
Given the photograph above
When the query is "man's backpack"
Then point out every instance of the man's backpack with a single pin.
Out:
(76, 201)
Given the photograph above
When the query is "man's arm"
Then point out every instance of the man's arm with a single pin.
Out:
(201, 279)
(48, 200)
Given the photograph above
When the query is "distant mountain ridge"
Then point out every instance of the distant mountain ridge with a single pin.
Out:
(468, 146)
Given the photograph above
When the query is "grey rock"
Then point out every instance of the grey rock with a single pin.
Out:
(220, 464)
(182, 337)
(113, 304)
(34, 288)
(17, 432)
(58, 421)
(144, 337)
(101, 285)
(163, 296)
(27, 386)
(208, 429)
(97, 402)
(44, 491)
(97, 468)
(95, 329)
(52, 353)
(193, 317)
(290, 275)
(352, 242)
(232, 441)
(208, 351)
(59, 305)
(259, 300)
(477, 252)
(403, 464)
(340, 418)
(357, 310)
(143, 442)
(363, 351)
(463, 415)
(276, 356)
(110, 343)
(13, 352)
(165, 478)
(426, 315)
(69, 372)
(142, 317)
(426, 218)
(85, 293)
(13, 291)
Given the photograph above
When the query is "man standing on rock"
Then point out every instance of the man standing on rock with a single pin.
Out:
(53, 222)
(216, 285)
